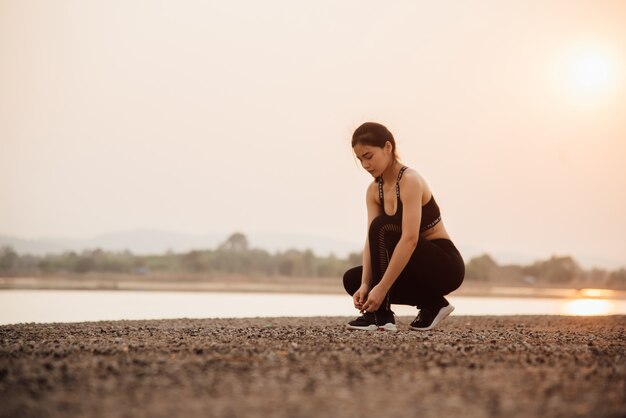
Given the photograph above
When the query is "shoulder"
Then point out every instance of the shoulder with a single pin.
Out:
(411, 184)
(411, 178)
(372, 190)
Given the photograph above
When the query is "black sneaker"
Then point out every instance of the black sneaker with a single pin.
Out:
(385, 320)
(428, 318)
(373, 321)
(366, 322)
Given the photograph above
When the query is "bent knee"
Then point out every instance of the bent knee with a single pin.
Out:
(352, 279)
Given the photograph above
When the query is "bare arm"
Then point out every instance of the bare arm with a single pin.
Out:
(373, 210)
(411, 196)
(366, 278)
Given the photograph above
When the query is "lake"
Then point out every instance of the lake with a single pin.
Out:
(44, 306)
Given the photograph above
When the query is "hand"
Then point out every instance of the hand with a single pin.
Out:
(374, 299)
(360, 296)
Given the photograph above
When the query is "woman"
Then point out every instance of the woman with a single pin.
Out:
(408, 257)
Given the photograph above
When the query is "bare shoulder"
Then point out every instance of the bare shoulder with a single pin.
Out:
(414, 184)
(412, 179)
(372, 191)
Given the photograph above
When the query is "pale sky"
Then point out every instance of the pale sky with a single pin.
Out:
(198, 116)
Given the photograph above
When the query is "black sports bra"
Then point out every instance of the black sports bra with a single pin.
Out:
(431, 215)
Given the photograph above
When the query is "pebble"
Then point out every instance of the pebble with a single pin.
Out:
(310, 367)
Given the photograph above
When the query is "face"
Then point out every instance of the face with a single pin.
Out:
(373, 159)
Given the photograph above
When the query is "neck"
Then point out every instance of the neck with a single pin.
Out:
(392, 170)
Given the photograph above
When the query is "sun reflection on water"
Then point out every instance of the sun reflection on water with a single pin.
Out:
(587, 307)
(597, 293)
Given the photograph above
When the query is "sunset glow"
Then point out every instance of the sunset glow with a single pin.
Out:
(588, 307)
(591, 70)
(590, 73)
(187, 116)
(597, 293)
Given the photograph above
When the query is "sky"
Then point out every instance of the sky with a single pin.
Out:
(200, 116)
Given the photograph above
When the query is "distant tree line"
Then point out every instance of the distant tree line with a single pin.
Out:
(235, 257)
(556, 271)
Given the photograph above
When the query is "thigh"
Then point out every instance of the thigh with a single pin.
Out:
(431, 270)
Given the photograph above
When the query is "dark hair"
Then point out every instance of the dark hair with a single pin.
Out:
(374, 134)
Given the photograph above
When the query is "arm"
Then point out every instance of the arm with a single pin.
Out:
(366, 278)
(373, 210)
(411, 196)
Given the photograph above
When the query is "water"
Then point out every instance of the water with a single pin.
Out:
(17, 306)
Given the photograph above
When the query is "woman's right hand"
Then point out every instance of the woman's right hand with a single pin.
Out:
(360, 296)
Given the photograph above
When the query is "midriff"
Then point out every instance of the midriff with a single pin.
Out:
(436, 232)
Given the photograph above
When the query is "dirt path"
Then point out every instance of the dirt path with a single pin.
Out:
(529, 366)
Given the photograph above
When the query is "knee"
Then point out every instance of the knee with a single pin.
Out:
(352, 280)
(383, 231)
(375, 227)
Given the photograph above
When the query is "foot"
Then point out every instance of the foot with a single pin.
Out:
(428, 318)
(374, 321)
(385, 320)
(366, 322)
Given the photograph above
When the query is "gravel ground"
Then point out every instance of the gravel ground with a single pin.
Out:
(526, 366)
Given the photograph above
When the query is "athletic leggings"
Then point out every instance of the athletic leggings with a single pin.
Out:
(435, 268)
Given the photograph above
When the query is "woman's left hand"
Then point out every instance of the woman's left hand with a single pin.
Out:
(374, 299)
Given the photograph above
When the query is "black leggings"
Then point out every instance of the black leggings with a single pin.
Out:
(435, 268)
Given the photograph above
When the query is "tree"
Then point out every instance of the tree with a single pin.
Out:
(556, 270)
(481, 268)
(237, 242)
(355, 259)
(9, 259)
(617, 279)
(192, 261)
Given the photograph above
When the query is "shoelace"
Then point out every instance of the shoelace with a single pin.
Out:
(367, 316)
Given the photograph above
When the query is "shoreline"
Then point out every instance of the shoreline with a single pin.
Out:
(275, 285)
(475, 367)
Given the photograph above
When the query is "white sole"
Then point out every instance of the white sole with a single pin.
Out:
(367, 328)
(443, 314)
(387, 327)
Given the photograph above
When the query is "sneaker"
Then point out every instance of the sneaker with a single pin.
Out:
(385, 320)
(428, 318)
(366, 322)
(373, 321)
